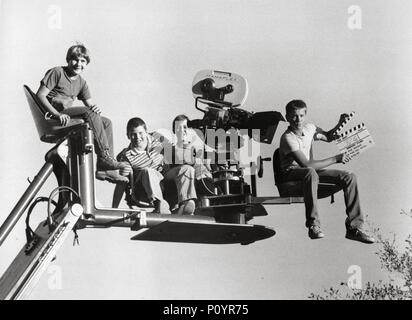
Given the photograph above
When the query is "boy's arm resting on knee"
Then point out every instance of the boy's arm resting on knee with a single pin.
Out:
(90, 104)
(301, 159)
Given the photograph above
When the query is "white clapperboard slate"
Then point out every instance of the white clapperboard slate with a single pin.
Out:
(354, 140)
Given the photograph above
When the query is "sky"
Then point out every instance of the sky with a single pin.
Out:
(144, 55)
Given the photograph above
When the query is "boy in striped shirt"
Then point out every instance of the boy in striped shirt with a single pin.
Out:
(146, 163)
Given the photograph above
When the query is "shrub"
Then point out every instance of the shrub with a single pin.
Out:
(398, 264)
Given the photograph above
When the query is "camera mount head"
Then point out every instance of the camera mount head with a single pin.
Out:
(223, 93)
(219, 88)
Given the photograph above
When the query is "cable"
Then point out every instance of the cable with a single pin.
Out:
(128, 216)
(29, 230)
(31, 237)
(201, 164)
(206, 187)
(52, 195)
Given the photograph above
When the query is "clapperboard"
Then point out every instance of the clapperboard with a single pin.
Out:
(355, 140)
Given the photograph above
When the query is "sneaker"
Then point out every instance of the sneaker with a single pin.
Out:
(107, 162)
(161, 206)
(358, 235)
(112, 176)
(315, 232)
(187, 208)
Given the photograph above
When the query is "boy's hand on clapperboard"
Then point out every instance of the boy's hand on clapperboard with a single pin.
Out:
(333, 136)
(343, 117)
(343, 158)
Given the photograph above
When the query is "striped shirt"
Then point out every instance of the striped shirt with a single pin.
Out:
(152, 157)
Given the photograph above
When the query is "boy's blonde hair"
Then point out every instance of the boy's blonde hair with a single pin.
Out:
(77, 51)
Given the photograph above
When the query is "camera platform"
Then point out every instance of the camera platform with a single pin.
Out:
(205, 232)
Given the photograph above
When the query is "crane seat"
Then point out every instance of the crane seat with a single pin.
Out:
(49, 130)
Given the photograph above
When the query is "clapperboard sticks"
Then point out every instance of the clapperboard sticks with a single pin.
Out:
(344, 123)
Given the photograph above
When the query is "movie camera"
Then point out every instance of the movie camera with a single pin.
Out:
(219, 95)
(223, 93)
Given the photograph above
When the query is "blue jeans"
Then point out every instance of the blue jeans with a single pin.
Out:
(101, 126)
(310, 179)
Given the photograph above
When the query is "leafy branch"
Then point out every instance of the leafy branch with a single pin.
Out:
(398, 263)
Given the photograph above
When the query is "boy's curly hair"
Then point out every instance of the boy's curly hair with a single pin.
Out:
(77, 51)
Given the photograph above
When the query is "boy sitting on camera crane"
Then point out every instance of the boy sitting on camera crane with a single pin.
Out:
(297, 165)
